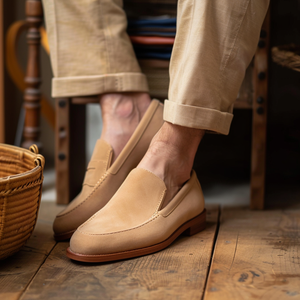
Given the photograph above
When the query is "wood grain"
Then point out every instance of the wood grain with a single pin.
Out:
(17, 271)
(70, 140)
(259, 119)
(178, 272)
(62, 150)
(32, 95)
(257, 256)
(15, 70)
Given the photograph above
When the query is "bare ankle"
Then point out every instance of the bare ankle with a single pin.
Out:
(180, 137)
(121, 114)
(124, 105)
(171, 156)
(177, 141)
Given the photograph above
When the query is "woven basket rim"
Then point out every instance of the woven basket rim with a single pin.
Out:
(36, 158)
(18, 149)
(11, 177)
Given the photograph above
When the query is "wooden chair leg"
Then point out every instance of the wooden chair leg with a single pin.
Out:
(69, 149)
(32, 94)
(62, 149)
(77, 148)
(259, 119)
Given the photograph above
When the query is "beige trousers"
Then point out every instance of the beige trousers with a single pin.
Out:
(91, 54)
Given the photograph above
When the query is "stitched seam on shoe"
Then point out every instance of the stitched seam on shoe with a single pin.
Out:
(94, 168)
(87, 184)
(126, 230)
(183, 196)
(160, 201)
(97, 161)
(98, 182)
(104, 178)
(96, 186)
(106, 160)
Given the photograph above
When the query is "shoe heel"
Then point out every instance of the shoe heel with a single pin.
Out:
(198, 224)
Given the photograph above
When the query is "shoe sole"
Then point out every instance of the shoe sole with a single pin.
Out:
(63, 236)
(191, 227)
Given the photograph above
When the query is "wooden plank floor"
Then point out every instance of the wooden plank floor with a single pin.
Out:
(17, 271)
(249, 255)
(257, 256)
(179, 271)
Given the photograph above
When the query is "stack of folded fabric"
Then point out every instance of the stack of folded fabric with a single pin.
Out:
(153, 40)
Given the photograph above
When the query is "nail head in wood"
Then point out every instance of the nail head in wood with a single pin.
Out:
(61, 156)
(261, 75)
(260, 100)
(62, 103)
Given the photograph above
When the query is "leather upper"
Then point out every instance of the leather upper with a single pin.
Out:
(133, 218)
(98, 165)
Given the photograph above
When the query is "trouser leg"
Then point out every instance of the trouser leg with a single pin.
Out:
(91, 53)
(215, 42)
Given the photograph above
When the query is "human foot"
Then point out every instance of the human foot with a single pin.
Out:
(121, 114)
(171, 156)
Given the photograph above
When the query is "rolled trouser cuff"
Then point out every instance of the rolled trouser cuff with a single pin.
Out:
(99, 84)
(197, 117)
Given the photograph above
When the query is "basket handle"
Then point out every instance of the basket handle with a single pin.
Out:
(40, 160)
(34, 148)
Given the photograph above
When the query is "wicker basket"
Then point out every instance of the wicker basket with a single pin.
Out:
(287, 56)
(21, 178)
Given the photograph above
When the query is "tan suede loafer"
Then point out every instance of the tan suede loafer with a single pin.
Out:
(102, 179)
(133, 222)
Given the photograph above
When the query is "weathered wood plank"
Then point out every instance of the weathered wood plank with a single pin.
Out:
(178, 272)
(257, 256)
(259, 117)
(17, 271)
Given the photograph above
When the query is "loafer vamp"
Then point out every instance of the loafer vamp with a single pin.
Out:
(150, 226)
(97, 167)
(150, 233)
(71, 218)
